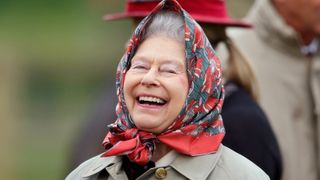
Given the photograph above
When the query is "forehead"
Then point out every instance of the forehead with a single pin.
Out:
(161, 48)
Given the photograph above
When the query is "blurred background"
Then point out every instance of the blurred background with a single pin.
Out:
(56, 57)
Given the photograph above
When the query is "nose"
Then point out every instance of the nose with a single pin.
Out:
(150, 78)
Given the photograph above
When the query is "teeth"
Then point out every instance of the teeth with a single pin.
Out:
(151, 99)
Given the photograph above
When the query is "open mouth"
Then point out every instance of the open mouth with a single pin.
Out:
(147, 100)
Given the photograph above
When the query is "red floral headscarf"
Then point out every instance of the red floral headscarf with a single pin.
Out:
(198, 128)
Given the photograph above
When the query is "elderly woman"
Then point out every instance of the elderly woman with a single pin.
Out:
(170, 95)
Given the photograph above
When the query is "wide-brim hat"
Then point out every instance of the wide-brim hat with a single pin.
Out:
(204, 11)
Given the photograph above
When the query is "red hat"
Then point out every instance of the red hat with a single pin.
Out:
(205, 11)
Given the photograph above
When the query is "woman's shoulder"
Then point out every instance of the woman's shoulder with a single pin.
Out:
(224, 164)
(240, 108)
(237, 96)
(232, 165)
(92, 167)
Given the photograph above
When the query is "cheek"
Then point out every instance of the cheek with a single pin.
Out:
(179, 88)
(314, 13)
(317, 23)
(127, 87)
(184, 83)
(318, 29)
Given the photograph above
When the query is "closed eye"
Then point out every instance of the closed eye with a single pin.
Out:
(139, 67)
(169, 68)
(171, 71)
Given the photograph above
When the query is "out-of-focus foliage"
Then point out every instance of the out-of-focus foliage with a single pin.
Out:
(55, 58)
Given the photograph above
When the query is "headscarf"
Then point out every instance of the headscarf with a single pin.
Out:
(198, 129)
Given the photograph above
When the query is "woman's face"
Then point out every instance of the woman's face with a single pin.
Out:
(156, 85)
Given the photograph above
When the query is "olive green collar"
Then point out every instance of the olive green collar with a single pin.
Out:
(197, 167)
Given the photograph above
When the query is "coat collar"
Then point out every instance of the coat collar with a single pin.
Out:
(99, 163)
(273, 29)
(268, 23)
(197, 167)
(266, 16)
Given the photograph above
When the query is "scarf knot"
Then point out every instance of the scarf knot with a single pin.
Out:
(137, 145)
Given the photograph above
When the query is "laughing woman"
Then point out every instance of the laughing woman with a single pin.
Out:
(170, 95)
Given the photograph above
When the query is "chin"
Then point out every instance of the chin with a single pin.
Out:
(148, 127)
(150, 130)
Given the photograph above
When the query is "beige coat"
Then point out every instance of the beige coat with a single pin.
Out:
(223, 165)
(290, 88)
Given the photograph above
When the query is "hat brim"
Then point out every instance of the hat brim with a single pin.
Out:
(199, 18)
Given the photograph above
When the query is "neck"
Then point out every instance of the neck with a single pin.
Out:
(160, 151)
(305, 34)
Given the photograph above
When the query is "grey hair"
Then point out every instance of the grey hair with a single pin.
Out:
(168, 24)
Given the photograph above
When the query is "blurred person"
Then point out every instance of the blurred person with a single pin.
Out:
(240, 111)
(170, 95)
(284, 51)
